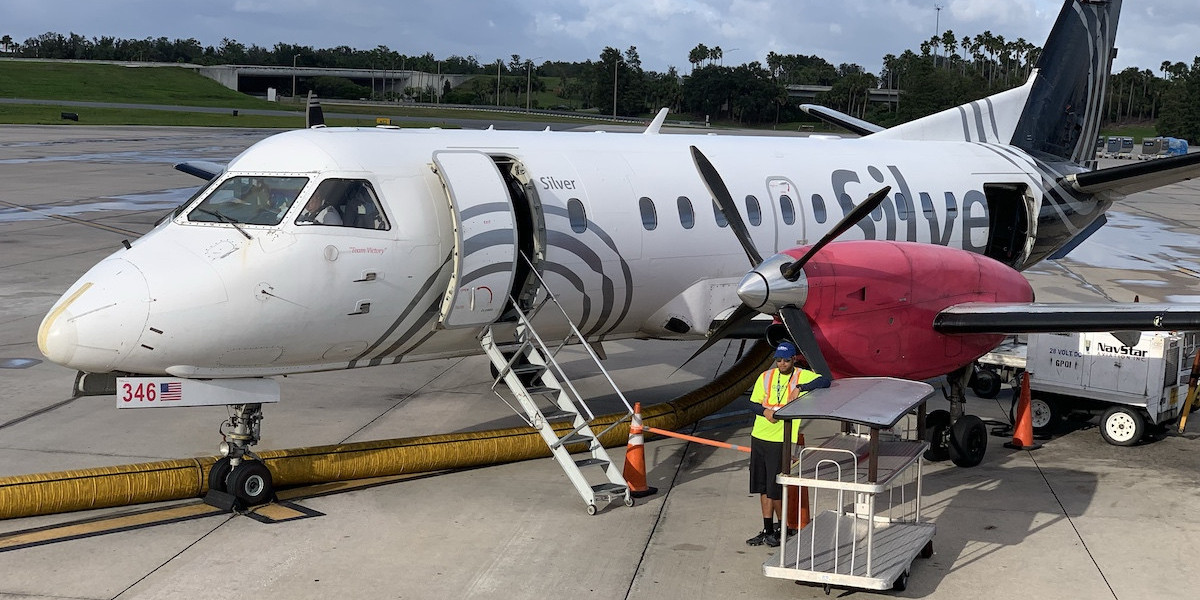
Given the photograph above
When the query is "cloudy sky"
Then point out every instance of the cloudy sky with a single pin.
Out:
(855, 31)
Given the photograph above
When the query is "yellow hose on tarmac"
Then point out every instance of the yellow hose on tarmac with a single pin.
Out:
(84, 489)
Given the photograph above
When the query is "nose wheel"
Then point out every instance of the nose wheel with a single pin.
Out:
(239, 478)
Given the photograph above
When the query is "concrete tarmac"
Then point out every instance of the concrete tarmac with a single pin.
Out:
(1076, 519)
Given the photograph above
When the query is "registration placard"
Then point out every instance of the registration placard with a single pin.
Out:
(156, 392)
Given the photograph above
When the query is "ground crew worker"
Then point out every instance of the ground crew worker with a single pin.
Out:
(772, 390)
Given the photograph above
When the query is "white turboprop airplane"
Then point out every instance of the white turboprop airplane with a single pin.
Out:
(340, 248)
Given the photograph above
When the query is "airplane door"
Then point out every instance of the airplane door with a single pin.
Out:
(789, 213)
(485, 239)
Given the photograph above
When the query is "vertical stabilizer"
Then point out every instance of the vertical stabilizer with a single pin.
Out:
(1062, 115)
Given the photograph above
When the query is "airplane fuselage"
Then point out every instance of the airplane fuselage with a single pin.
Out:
(619, 225)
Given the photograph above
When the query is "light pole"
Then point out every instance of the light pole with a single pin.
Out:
(497, 82)
(439, 84)
(529, 80)
(937, 24)
(294, 76)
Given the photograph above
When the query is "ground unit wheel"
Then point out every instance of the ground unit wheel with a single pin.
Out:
(986, 383)
(1047, 414)
(968, 441)
(628, 500)
(250, 482)
(1122, 426)
(591, 509)
(901, 582)
(937, 428)
(927, 551)
(218, 474)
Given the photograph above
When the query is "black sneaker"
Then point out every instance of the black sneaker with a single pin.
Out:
(772, 540)
(762, 538)
(792, 532)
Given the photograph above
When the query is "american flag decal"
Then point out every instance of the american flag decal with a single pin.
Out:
(168, 392)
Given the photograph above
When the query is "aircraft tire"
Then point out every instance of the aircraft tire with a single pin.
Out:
(218, 474)
(937, 423)
(968, 441)
(250, 482)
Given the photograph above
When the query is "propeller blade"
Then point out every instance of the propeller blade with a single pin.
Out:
(861, 211)
(720, 194)
(797, 324)
(738, 317)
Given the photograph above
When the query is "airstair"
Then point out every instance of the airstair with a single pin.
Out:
(530, 368)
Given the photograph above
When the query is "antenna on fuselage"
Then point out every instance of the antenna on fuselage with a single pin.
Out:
(657, 123)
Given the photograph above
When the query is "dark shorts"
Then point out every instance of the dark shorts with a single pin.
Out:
(765, 458)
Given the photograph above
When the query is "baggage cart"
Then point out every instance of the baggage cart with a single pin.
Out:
(867, 527)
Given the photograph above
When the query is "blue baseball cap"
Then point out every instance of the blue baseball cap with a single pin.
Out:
(785, 350)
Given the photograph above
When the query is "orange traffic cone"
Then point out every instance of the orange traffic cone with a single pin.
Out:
(635, 458)
(798, 502)
(1023, 427)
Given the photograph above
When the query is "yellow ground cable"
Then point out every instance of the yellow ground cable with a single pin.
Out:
(48, 493)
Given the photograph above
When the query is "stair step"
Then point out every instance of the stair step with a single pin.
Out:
(528, 368)
(558, 414)
(576, 438)
(587, 462)
(609, 488)
(542, 389)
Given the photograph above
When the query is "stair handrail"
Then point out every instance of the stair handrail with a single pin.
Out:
(575, 331)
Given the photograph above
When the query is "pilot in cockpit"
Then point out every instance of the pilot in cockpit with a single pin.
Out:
(320, 209)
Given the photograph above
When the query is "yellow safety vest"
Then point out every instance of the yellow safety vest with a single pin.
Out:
(773, 390)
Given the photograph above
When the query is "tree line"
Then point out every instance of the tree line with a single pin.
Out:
(942, 72)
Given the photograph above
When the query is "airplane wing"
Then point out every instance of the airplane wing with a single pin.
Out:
(201, 168)
(1139, 177)
(1039, 317)
(841, 119)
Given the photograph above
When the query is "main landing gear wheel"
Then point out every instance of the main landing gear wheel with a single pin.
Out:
(968, 441)
(1122, 426)
(250, 482)
(937, 429)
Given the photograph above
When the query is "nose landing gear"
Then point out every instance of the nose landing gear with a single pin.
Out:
(240, 478)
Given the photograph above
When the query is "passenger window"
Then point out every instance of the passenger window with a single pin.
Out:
(249, 200)
(787, 209)
(577, 215)
(753, 211)
(649, 217)
(343, 203)
(686, 217)
(818, 204)
(721, 220)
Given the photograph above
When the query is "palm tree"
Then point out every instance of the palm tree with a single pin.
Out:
(6, 42)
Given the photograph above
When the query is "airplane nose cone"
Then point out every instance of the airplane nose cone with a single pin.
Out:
(754, 290)
(99, 320)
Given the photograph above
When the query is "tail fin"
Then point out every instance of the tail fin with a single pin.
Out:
(1057, 112)
(1062, 116)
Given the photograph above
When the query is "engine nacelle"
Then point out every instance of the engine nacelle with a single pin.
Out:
(872, 305)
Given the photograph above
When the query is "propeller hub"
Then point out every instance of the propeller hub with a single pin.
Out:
(765, 289)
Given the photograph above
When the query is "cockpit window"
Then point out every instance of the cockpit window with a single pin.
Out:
(249, 200)
(343, 203)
